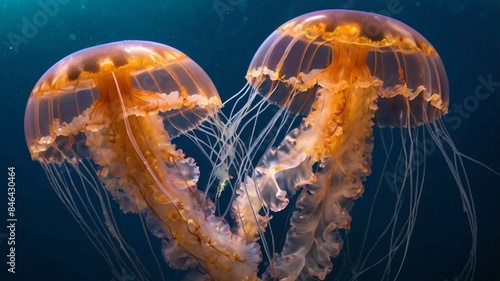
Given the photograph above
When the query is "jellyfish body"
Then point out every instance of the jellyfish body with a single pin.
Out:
(344, 71)
(111, 111)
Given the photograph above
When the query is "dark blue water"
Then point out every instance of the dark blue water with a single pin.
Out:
(222, 40)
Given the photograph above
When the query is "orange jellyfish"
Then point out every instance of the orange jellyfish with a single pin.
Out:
(101, 121)
(334, 75)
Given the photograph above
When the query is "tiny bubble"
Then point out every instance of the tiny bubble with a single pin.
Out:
(72, 37)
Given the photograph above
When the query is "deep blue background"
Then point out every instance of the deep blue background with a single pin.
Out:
(50, 245)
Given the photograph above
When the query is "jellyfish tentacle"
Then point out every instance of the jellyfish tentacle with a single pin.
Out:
(197, 236)
(168, 188)
(344, 155)
(279, 174)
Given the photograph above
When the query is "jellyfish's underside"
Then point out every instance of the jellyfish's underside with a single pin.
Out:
(345, 71)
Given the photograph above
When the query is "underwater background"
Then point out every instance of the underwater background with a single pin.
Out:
(222, 36)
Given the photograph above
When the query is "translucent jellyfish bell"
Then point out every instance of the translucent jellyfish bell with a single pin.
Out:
(349, 45)
(152, 78)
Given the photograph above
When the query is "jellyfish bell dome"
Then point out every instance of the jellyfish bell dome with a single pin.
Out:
(79, 92)
(415, 84)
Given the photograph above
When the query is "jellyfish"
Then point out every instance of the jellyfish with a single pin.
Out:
(101, 121)
(328, 78)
